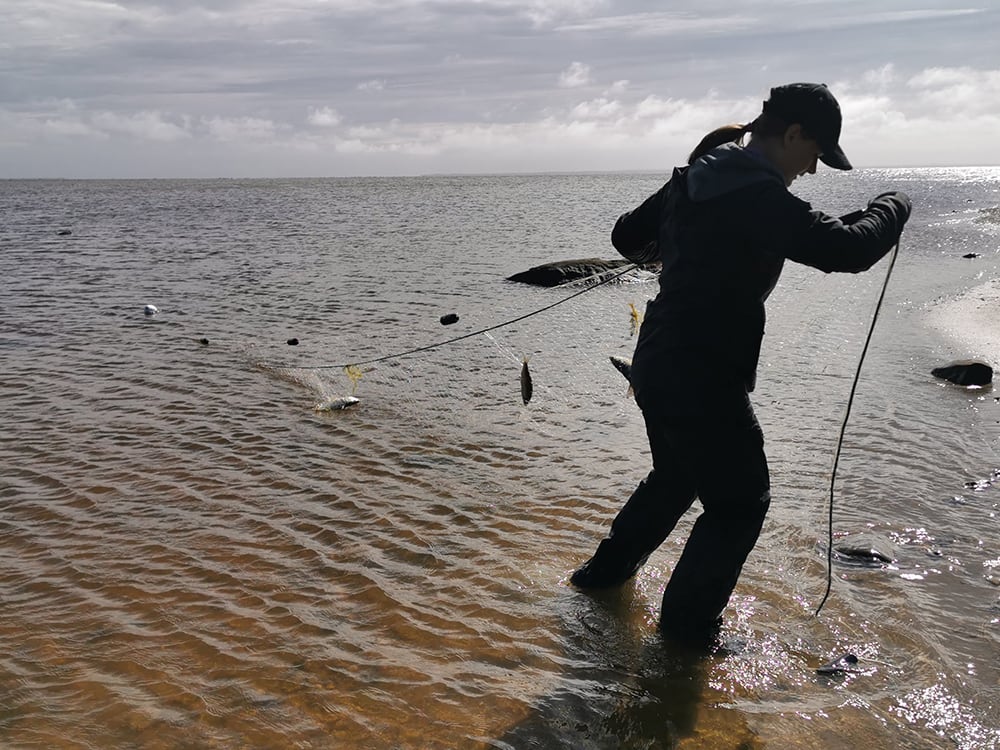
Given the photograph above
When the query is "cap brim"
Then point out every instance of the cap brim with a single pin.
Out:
(835, 157)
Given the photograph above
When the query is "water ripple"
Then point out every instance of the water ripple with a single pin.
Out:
(193, 556)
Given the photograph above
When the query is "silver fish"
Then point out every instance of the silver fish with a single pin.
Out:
(526, 386)
(336, 403)
(624, 366)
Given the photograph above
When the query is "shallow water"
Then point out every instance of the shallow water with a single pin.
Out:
(194, 556)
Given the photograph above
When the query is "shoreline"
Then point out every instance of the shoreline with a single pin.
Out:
(972, 321)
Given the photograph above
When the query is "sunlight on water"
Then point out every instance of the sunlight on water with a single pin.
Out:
(195, 556)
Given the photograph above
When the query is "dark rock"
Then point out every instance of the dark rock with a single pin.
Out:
(562, 271)
(861, 555)
(292, 342)
(843, 664)
(971, 255)
(447, 320)
(866, 549)
(965, 372)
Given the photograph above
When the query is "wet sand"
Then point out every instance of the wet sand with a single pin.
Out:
(972, 321)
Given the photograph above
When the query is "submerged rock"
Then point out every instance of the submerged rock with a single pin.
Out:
(965, 372)
(843, 664)
(562, 271)
(864, 549)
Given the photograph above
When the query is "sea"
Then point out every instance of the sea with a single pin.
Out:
(193, 555)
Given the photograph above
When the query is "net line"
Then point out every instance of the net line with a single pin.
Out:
(446, 342)
(843, 428)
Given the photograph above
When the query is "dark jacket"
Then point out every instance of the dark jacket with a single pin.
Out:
(722, 229)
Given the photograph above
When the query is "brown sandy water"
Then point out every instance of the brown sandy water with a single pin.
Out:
(192, 556)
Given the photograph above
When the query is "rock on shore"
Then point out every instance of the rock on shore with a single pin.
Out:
(966, 372)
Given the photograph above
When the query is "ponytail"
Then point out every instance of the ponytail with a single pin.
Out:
(718, 137)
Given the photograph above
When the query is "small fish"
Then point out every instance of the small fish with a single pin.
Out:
(526, 386)
(336, 403)
(635, 320)
(354, 374)
(623, 365)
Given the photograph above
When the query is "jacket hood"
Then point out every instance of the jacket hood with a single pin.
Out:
(727, 168)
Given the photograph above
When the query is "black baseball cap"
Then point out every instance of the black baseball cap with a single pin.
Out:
(812, 106)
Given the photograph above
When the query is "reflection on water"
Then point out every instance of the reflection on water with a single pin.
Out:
(193, 556)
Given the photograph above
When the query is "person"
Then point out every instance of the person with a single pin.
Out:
(722, 228)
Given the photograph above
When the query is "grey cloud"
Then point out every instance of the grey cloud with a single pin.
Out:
(242, 64)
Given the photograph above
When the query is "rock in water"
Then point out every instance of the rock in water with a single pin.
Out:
(965, 372)
(562, 271)
(861, 555)
(843, 664)
(866, 549)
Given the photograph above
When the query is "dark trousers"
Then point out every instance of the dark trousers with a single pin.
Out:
(718, 458)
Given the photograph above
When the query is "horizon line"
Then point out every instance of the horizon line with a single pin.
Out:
(417, 175)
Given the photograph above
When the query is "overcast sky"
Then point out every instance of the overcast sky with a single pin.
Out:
(204, 88)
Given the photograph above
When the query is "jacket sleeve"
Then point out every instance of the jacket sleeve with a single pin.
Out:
(635, 233)
(852, 243)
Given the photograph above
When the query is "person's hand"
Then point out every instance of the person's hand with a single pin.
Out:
(901, 196)
(896, 202)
